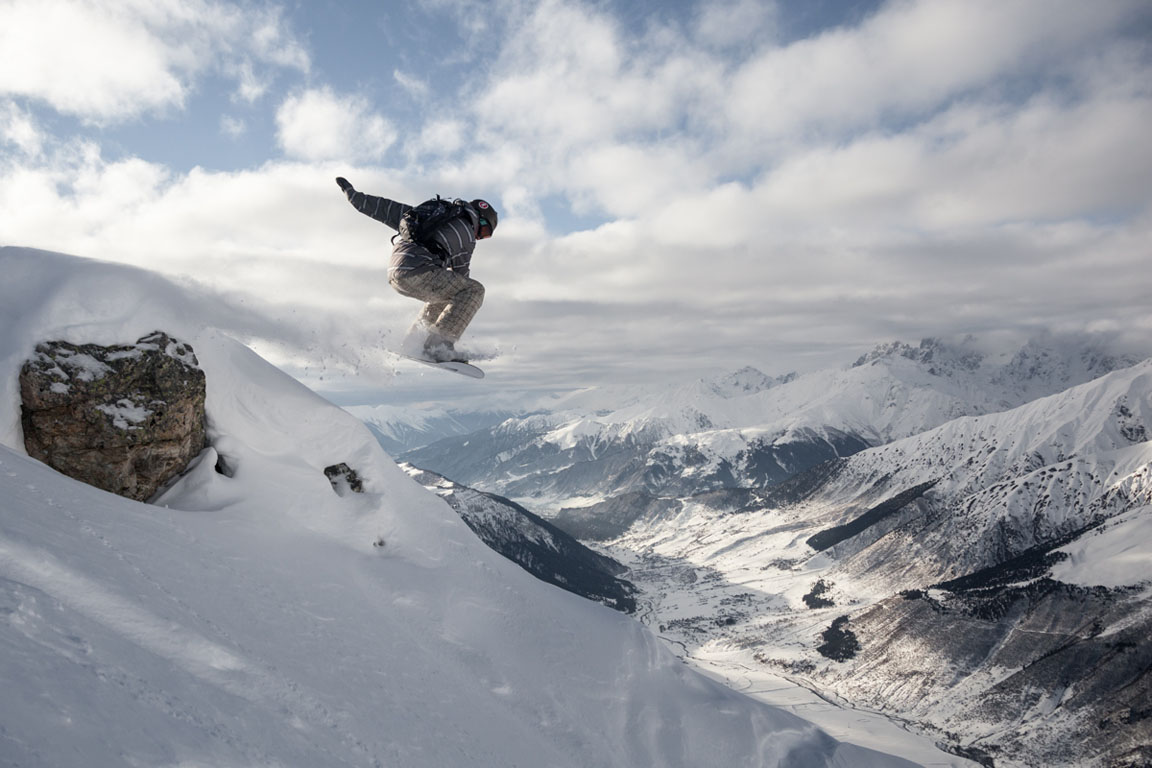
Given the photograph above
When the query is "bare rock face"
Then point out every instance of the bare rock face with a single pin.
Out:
(124, 418)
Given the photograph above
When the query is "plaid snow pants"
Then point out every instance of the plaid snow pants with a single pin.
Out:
(451, 300)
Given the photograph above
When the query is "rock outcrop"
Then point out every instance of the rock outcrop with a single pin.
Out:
(122, 418)
(344, 479)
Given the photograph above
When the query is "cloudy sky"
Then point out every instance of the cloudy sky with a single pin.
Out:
(683, 186)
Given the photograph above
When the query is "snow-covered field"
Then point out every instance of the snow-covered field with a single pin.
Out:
(263, 619)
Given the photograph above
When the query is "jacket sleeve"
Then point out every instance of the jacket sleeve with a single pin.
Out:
(380, 208)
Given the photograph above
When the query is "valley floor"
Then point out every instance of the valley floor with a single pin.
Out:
(676, 605)
(855, 726)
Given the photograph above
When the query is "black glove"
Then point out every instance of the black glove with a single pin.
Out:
(344, 184)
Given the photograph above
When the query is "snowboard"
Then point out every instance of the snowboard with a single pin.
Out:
(464, 369)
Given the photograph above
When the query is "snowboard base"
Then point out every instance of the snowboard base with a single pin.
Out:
(464, 369)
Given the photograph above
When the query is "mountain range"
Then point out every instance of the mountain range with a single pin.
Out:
(988, 579)
(959, 540)
(748, 430)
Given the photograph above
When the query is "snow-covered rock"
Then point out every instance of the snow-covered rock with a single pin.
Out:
(124, 418)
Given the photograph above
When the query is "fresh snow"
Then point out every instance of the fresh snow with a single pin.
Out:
(125, 413)
(85, 367)
(262, 619)
(1118, 554)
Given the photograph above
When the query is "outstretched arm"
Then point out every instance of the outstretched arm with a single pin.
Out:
(380, 208)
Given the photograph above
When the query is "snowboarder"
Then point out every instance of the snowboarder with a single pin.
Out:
(431, 261)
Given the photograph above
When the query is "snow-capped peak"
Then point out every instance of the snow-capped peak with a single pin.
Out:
(937, 356)
(746, 381)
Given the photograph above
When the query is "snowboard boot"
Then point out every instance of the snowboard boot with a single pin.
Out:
(441, 350)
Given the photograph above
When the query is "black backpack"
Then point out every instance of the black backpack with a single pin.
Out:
(420, 222)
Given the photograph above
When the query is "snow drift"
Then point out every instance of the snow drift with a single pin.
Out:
(262, 619)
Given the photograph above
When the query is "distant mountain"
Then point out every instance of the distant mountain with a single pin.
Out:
(747, 381)
(988, 579)
(534, 544)
(399, 429)
(748, 430)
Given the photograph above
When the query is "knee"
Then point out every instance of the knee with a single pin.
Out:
(397, 284)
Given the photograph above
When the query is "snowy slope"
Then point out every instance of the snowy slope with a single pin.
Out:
(263, 619)
(1024, 477)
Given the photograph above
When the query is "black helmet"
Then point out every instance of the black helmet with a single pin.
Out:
(486, 212)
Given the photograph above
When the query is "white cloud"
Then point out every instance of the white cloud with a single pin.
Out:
(272, 41)
(19, 128)
(320, 124)
(281, 234)
(572, 93)
(572, 88)
(278, 251)
(614, 120)
(736, 22)
(84, 60)
(473, 17)
(911, 57)
(232, 127)
(975, 166)
(439, 138)
(413, 85)
(631, 180)
(113, 60)
(250, 84)
(973, 209)
(564, 80)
